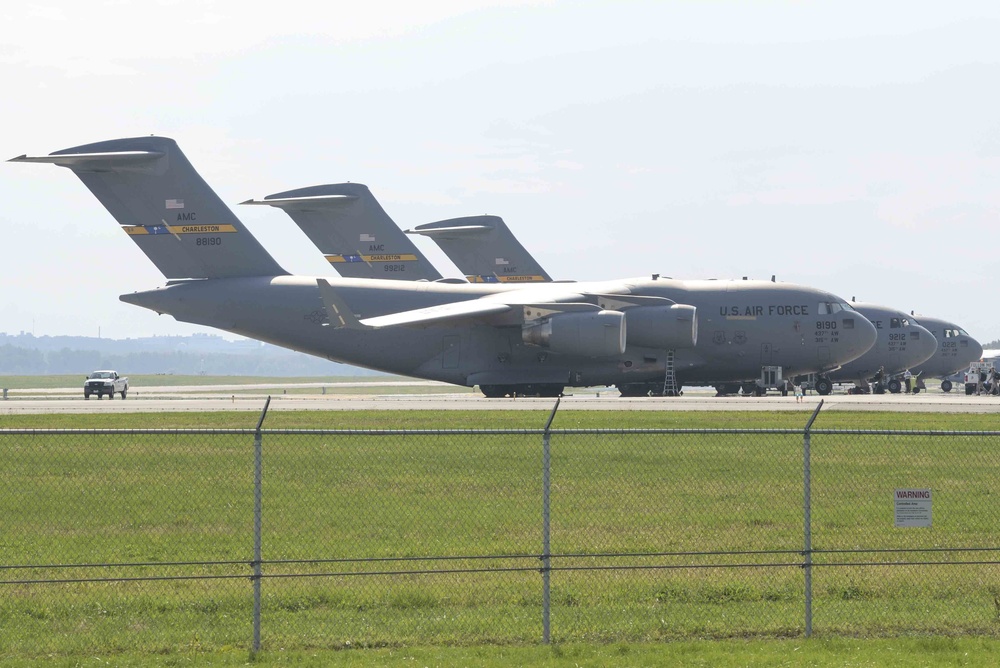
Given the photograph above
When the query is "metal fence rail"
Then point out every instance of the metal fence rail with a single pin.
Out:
(301, 538)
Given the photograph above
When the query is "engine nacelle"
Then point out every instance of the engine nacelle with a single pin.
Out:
(589, 333)
(662, 327)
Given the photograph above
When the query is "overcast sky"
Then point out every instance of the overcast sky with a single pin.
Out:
(850, 146)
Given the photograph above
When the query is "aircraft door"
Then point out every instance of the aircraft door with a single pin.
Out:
(895, 361)
(450, 351)
(824, 355)
(765, 354)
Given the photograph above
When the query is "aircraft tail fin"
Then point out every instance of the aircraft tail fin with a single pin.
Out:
(165, 206)
(484, 249)
(353, 231)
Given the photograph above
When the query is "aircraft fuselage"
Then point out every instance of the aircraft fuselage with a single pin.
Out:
(742, 325)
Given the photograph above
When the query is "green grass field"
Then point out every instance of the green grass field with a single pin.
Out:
(77, 499)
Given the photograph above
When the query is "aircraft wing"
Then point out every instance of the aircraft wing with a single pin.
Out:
(341, 316)
(441, 313)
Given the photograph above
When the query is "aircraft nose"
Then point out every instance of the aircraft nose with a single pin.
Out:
(926, 346)
(864, 336)
(975, 350)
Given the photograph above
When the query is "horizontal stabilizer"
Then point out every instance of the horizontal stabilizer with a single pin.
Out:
(93, 161)
(453, 232)
(313, 203)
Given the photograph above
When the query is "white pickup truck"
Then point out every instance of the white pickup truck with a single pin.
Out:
(105, 382)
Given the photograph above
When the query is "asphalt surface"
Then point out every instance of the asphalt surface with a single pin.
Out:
(388, 396)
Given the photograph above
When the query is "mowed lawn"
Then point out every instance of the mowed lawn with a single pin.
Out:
(433, 540)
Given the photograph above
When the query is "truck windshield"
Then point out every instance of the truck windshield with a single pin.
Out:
(101, 374)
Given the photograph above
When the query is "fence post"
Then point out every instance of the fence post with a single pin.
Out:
(546, 527)
(258, 478)
(807, 520)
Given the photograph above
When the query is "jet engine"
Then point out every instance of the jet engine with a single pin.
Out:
(662, 327)
(589, 333)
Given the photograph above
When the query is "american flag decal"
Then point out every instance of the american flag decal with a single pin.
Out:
(175, 204)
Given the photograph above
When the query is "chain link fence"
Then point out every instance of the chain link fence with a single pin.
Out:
(120, 539)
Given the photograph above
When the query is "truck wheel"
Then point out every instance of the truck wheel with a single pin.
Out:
(823, 386)
(946, 386)
(111, 395)
(86, 395)
(123, 393)
(894, 386)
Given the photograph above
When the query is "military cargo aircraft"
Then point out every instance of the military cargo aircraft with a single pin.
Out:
(956, 350)
(901, 344)
(483, 248)
(506, 338)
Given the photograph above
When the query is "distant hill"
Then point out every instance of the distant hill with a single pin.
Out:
(24, 354)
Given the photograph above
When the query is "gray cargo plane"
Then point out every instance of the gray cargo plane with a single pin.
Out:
(482, 247)
(956, 350)
(901, 344)
(507, 339)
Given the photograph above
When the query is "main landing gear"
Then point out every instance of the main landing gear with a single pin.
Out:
(653, 389)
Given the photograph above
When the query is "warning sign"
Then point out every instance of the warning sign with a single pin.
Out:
(913, 507)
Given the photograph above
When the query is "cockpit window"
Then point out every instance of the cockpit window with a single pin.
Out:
(829, 308)
(894, 323)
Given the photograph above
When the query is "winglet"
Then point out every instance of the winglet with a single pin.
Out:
(341, 316)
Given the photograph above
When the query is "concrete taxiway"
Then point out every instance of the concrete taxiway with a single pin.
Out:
(386, 396)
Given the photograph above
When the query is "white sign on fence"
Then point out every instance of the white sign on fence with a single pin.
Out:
(913, 507)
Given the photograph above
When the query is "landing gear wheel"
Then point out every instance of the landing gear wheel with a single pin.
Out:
(894, 386)
(823, 386)
(494, 391)
(945, 386)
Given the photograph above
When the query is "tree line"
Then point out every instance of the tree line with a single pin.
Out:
(16, 360)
